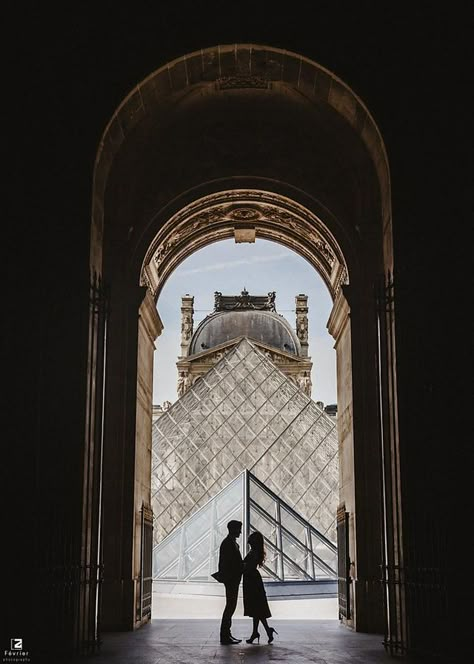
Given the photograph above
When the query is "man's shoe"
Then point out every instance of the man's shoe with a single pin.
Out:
(229, 641)
(235, 640)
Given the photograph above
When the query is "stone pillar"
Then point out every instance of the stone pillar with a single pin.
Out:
(187, 322)
(302, 322)
(149, 328)
(133, 325)
(351, 325)
(339, 328)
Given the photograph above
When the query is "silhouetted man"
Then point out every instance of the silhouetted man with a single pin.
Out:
(230, 570)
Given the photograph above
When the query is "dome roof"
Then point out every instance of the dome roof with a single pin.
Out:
(266, 326)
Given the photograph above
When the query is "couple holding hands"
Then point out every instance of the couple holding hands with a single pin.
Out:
(231, 570)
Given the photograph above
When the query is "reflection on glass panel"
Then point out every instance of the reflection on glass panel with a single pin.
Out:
(240, 372)
(256, 423)
(235, 422)
(169, 551)
(215, 419)
(267, 411)
(194, 528)
(229, 500)
(267, 527)
(263, 498)
(295, 526)
(171, 572)
(296, 552)
(194, 557)
(228, 383)
(200, 573)
(251, 361)
(292, 573)
(322, 551)
(320, 570)
(272, 563)
(246, 435)
(257, 398)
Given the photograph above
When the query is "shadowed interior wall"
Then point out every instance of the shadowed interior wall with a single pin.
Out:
(64, 84)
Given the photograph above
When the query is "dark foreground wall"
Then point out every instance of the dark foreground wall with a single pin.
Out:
(65, 76)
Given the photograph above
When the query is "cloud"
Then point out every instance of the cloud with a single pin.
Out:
(214, 267)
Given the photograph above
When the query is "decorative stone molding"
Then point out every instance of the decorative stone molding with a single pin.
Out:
(244, 301)
(150, 318)
(245, 214)
(215, 217)
(339, 316)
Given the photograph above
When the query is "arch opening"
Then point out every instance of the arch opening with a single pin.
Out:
(245, 215)
(197, 364)
(295, 158)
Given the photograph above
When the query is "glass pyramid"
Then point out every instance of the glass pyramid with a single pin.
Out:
(244, 414)
(295, 551)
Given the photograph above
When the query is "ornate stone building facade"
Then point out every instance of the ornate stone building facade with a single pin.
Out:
(238, 316)
(244, 406)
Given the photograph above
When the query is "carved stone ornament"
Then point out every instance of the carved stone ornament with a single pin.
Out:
(302, 328)
(341, 280)
(239, 82)
(244, 301)
(244, 214)
(146, 280)
(186, 329)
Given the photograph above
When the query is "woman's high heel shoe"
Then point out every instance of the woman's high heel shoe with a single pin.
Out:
(271, 632)
(254, 636)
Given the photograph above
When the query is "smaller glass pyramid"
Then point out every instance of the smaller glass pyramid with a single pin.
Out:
(295, 550)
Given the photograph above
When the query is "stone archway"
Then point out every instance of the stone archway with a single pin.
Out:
(246, 141)
(245, 215)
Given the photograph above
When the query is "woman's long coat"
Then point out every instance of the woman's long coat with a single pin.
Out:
(255, 598)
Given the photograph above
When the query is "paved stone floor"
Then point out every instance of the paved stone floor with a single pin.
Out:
(166, 641)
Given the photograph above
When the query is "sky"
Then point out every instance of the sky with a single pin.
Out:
(229, 268)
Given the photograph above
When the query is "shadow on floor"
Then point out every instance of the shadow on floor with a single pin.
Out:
(197, 642)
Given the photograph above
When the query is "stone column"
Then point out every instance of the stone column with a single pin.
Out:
(149, 328)
(351, 325)
(339, 327)
(302, 322)
(133, 325)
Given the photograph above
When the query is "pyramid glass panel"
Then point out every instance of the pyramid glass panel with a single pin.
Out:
(244, 414)
(192, 548)
(191, 551)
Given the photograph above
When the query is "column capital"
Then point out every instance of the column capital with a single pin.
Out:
(150, 316)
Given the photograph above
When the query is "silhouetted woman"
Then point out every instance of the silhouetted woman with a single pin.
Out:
(255, 598)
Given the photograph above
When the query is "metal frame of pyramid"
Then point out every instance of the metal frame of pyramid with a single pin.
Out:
(296, 551)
